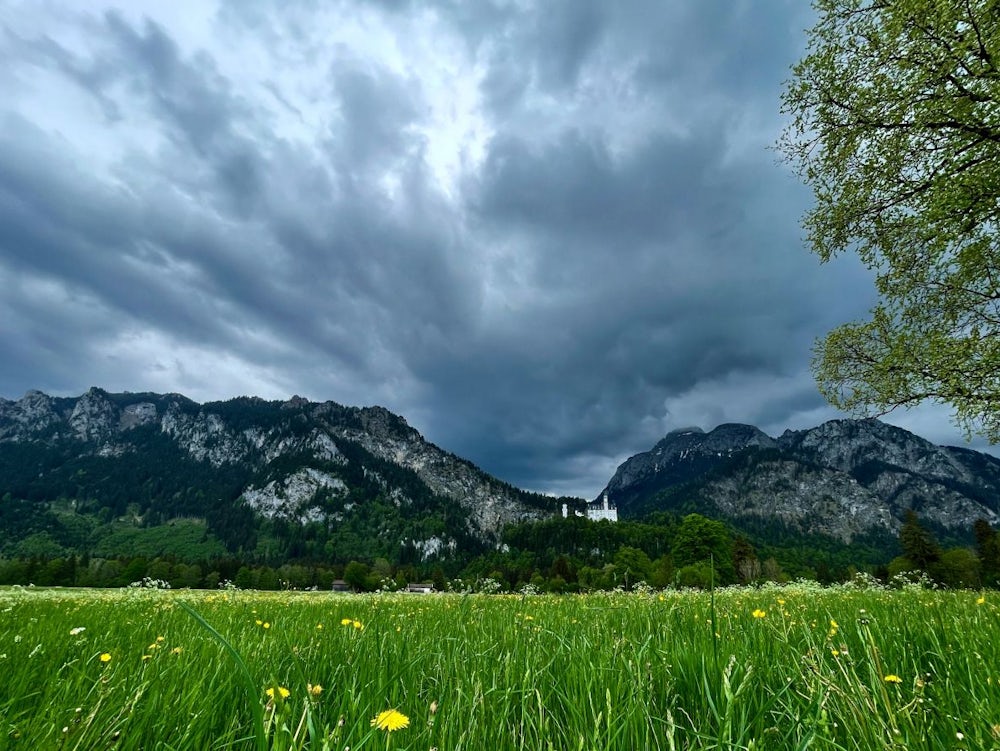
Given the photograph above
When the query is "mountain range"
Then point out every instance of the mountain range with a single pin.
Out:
(842, 479)
(298, 479)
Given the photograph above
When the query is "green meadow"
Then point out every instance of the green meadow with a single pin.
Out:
(790, 667)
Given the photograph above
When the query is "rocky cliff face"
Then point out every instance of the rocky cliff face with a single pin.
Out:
(841, 479)
(297, 458)
(389, 437)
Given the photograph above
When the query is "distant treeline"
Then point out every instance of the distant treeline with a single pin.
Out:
(561, 555)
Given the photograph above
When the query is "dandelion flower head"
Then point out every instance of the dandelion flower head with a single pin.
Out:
(389, 720)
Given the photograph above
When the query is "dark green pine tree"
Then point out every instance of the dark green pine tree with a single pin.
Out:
(918, 543)
(988, 548)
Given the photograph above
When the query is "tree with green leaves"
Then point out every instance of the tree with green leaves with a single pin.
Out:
(957, 568)
(632, 565)
(356, 575)
(700, 540)
(895, 125)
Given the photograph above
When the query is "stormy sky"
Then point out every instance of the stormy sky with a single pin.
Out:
(545, 233)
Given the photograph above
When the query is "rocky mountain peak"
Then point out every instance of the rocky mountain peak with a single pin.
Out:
(296, 402)
(381, 422)
(94, 417)
(851, 445)
(736, 437)
(33, 411)
(841, 479)
(725, 438)
(869, 431)
(685, 431)
(35, 404)
(679, 456)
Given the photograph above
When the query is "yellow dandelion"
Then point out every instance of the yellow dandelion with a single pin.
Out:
(105, 657)
(283, 692)
(389, 720)
(319, 626)
(357, 625)
(892, 678)
(176, 650)
(266, 624)
(980, 601)
(147, 657)
(345, 622)
(160, 639)
(259, 622)
(758, 613)
(152, 646)
(314, 690)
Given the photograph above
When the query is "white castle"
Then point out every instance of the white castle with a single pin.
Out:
(596, 512)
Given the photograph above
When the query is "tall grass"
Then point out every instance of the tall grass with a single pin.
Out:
(776, 668)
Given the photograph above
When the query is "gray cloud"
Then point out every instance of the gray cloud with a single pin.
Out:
(544, 234)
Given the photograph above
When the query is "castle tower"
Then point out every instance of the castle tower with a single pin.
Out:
(604, 511)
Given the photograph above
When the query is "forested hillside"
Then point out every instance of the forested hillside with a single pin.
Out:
(106, 489)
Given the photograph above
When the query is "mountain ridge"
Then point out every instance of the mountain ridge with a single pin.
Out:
(362, 482)
(842, 479)
(288, 461)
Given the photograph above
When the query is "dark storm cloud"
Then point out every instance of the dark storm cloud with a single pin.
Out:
(619, 252)
(324, 237)
(653, 271)
(63, 225)
(569, 30)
